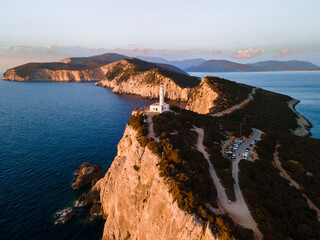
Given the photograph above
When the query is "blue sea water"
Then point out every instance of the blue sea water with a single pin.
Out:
(48, 129)
(302, 85)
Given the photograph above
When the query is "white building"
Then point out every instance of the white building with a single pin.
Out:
(161, 106)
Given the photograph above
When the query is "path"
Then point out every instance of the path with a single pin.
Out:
(237, 210)
(150, 126)
(293, 182)
(235, 107)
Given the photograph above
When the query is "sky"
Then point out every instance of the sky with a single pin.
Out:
(242, 31)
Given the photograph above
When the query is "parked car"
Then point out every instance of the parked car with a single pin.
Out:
(229, 153)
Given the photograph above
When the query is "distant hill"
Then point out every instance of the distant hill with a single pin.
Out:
(95, 60)
(72, 69)
(283, 65)
(183, 64)
(221, 66)
(228, 66)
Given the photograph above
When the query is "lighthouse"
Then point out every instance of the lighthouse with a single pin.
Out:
(161, 106)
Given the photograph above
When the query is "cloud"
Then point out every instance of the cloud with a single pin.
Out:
(248, 53)
(213, 51)
(287, 51)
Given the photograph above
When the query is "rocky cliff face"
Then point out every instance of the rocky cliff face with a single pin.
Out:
(126, 77)
(136, 201)
(41, 74)
(202, 98)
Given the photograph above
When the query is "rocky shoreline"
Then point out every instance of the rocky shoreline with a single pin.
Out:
(304, 125)
(86, 174)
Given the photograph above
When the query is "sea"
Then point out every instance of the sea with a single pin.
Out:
(48, 129)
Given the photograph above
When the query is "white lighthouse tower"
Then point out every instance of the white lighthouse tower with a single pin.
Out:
(161, 106)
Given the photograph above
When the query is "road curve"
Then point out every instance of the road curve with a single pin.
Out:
(235, 107)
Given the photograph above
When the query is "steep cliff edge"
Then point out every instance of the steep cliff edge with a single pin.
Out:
(136, 201)
(70, 69)
(134, 76)
(74, 69)
(202, 98)
(44, 74)
(215, 94)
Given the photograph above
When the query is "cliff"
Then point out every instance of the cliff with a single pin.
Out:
(136, 201)
(133, 76)
(70, 69)
(202, 98)
(215, 95)
(59, 75)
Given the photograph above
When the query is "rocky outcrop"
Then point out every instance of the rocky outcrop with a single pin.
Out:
(127, 76)
(86, 174)
(136, 201)
(43, 74)
(202, 98)
(64, 216)
(12, 75)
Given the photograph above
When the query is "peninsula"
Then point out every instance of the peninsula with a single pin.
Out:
(225, 173)
(236, 163)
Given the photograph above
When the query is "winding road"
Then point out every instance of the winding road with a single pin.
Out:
(235, 107)
(237, 210)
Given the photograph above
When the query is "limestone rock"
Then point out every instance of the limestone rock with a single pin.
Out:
(87, 173)
(136, 201)
(124, 77)
(42, 74)
(64, 215)
(95, 212)
(202, 98)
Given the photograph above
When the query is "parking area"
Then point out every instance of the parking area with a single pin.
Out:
(241, 148)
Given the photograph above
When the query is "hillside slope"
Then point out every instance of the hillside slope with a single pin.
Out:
(221, 66)
(71, 69)
(134, 76)
(215, 94)
(228, 66)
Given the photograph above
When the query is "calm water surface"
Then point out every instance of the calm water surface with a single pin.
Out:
(302, 85)
(46, 131)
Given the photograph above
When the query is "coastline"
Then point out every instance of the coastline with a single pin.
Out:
(304, 124)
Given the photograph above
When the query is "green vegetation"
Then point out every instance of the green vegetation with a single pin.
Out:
(185, 169)
(300, 158)
(149, 71)
(280, 210)
(229, 93)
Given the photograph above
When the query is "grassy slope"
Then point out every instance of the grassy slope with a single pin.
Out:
(229, 92)
(280, 210)
(136, 67)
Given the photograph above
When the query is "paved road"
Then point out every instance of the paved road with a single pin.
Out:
(237, 210)
(235, 107)
(242, 148)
